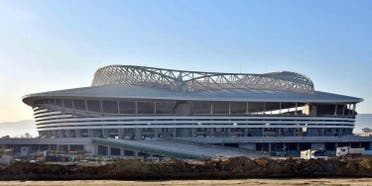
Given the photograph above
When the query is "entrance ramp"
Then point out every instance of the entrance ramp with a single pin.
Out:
(170, 148)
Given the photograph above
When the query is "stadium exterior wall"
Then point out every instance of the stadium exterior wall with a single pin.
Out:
(143, 103)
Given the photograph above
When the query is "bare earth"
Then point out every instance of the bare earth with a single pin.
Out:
(342, 181)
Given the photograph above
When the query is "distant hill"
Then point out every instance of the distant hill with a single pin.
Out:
(18, 128)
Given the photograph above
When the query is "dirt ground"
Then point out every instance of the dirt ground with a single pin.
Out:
(341, 181)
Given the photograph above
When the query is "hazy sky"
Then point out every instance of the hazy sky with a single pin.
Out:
(51, 45)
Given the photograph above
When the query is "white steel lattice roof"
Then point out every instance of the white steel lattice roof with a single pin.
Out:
(138, 82)
(180, 80)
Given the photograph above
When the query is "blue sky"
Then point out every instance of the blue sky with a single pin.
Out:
(51, 45)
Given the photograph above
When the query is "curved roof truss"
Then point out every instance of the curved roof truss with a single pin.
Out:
(180, 80)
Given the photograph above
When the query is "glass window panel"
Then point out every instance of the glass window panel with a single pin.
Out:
(145, 107)
(94, 105)
(256, 107)
(67, 103)
(110, 106)
(59, 102)
(79, 104)
(127, 107)
(165, 107)
(221, 108)
(238, 108)
(201, 107)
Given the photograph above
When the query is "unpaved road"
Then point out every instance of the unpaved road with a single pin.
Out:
(276, 182)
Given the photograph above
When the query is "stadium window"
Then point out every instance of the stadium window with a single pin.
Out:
(94, 105)
(38, 102)
(59, 102)
(79, 104)
(238, 108)
(256, 107)
(127, 107)
(201, 108)
(145, 107)
(220, 108)
(51, 101)
(165, 107)
(272, 108)
(67, 103)
(110, 106)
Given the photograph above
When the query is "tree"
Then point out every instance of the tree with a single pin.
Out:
(27, 135)
(366, 130)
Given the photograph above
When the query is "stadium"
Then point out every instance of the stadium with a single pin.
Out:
(137, 110)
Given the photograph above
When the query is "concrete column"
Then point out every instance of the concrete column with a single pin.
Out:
(104, 133)
(269, 147)
(296, 108)
(108, 151)
(77, 133)
(229, 108)
(100, 103)
(193, 132)
(298, 146)
(335, 110)
(86, 105)
(118, 106)
(245, 132)
(90, 132)
(121, 133)
(343, 110)
(138, 133)
(136, 107)
(228, 132)
(211, 109)
(154, 107)
(121, 152)
(95, 150)
(174, 132)
(156, 135)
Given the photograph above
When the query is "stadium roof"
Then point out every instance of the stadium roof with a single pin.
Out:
(137, 92)
(139, 82)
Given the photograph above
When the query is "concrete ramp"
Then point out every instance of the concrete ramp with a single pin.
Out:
(169, 148)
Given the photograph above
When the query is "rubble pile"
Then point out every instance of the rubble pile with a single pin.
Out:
(224, 168)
